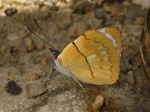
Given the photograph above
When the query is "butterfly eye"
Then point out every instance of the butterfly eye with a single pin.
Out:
(59, 60)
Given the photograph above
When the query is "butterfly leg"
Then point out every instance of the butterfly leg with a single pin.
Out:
(50, 71)
(70, 76)
(77, 81)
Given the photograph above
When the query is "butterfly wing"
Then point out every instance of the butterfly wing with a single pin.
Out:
(94, 56)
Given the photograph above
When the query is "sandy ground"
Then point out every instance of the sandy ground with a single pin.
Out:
(25, 60)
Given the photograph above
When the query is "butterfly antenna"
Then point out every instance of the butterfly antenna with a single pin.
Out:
(39, 36)
(42, 31)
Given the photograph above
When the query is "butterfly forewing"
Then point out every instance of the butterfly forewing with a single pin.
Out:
(94, 56)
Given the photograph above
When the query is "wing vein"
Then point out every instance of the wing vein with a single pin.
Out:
(85, 58)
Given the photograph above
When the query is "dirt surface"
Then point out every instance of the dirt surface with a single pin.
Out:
(26, 60)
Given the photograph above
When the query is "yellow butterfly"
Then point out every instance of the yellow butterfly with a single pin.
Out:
(92, 58)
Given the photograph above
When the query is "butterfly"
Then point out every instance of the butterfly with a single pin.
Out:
(92, 58)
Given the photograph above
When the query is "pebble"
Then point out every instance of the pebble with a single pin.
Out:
(99, 13)
(1, 4)
(95, 23)
(33, 75)
(15, 48)
(35, 89)
(3, 49)
(10, 11)
(41, 46)
(137, 33)
(39, 2)
(126, 4)
(137, 30)
(16, 35)
(130, 60)
(125, 34)
(60, 4)
(30, 44)
(22, 33)
(106, 8)
(98, 103)
(68, 0)
(139, 21)
(18, 1)
(13, 36)
(130, 77)
(42, 9)
(44, 108)
(44, 61)
(48, 4)
(115, 12)
(13, 88)
(143, 3)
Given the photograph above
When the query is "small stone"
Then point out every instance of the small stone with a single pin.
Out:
(106, 8)
(143, 3)
(33, 71)
(44, 108)
(137, 33)
(130, 77)
(139, 21)
(130, 61)
(125, 34)
(3, 49)
(29, 44)
(44, 8)
(22, 33)
(35, 89)
(115, 12)
(41, 46)
(126, 4)
(13, 88)
(99, 13)
(1, 4)
(48, 4)
(95, 23)
(18, 1)
(33, 75)
(15, 48)
(10, 11)
(44, 61)
(98, 103)
(13, 36)
(60, 4)
(68, 0)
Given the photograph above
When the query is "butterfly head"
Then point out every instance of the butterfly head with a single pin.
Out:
(54, 52)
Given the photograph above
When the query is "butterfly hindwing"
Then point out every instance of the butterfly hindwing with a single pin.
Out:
(94, 56)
